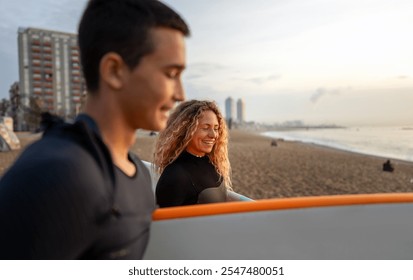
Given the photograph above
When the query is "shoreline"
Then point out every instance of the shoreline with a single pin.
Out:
(318, 142)
(338, 149)
(291, 169)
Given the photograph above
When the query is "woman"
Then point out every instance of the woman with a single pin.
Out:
(192, 156)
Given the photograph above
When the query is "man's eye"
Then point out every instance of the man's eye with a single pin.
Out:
(172, 74)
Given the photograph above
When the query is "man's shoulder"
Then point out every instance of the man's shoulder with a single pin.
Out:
(52, 151)
(59, 170)
(58, 158)
(55, 160)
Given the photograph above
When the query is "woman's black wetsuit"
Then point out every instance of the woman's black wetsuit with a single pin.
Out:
(184, 179)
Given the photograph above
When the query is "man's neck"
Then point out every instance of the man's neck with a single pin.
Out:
(115, 132)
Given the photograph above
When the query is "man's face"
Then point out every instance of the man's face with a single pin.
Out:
(153, 87)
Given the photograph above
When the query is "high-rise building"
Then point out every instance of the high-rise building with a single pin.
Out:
(240, 110)
(49, 71)
(229, 109)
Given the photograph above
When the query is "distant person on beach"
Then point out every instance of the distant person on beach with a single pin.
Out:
(192, 157)
(388, 166)
(78, 193)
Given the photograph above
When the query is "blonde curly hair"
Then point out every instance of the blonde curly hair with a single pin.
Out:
(180, 128)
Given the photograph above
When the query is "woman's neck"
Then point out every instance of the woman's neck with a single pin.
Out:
(195, 155)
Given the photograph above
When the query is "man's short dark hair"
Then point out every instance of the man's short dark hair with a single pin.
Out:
(123, 27)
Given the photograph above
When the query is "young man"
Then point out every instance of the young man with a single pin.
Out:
(78, 192)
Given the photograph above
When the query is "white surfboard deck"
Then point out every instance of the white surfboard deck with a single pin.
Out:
(369, 226)
(382, 230)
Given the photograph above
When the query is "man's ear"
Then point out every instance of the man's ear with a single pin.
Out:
(112, 69)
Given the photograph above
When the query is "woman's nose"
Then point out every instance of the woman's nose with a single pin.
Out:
(212, 133)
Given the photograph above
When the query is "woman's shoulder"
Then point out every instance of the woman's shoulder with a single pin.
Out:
(173, 173)
(175, 167)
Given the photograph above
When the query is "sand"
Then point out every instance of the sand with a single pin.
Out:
(290, 169)
(296, 169)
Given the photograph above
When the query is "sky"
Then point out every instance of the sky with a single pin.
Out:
(343, 62)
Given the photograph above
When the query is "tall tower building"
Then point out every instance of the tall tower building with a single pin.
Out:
(229, 109)
(49, 71)
(240, 110)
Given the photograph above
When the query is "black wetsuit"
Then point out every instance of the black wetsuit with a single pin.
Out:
(184, 179)
(65, 199)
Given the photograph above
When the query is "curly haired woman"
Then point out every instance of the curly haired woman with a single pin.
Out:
(192, 156)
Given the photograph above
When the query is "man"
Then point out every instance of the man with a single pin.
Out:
(78, 192)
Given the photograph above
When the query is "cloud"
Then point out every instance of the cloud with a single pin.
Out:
(193, 76)
(322, 92)
(202, 69)
(263, 80)
(196, 91)
(403, 77)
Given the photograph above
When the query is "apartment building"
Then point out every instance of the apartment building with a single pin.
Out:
(49, 71)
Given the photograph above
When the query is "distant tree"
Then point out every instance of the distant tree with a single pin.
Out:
(33, 113)
(4, 107)
(16, 110)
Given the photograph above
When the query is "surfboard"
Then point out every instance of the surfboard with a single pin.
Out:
(362, 226)
(370, 226)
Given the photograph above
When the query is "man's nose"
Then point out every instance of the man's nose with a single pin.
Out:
(179, 94)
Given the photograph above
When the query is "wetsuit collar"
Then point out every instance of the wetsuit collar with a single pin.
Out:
(89, 122)
(192, 155)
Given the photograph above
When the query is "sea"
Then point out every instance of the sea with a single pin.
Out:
(394, 142)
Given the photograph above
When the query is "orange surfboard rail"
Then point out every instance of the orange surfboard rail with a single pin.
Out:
(212, 209)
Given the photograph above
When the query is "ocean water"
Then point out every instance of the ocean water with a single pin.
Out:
(390, 142)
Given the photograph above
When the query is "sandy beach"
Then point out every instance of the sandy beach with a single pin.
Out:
(290, 169)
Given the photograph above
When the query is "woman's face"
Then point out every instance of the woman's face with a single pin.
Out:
(205, 134)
